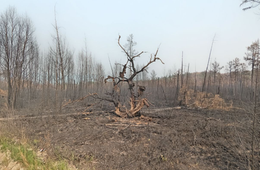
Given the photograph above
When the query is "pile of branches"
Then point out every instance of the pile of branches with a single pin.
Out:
(197, 99)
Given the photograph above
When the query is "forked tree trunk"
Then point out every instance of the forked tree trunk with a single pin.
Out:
(135, 99)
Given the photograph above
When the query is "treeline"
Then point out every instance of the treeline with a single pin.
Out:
(25, 73)
(237, 80)
(33, 79)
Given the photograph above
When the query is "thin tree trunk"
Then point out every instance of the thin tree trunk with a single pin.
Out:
(254, 125)
(205, 76)
(177, 88)
(195, 86)
(187, 76)
(182, 70)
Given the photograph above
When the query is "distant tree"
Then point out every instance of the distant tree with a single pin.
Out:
(138, 76)
(187, 76)
(243, 68)
(116, 69)
(236, 64)
(251, 57)
(216, 68)
(16, 43)
(99, 75)
(153, 75)
(236, 67)
(182, 71)
(31, 71)
(153, 80)
(205, 76)
(70, 73)
(229, 69)
(144, 74)
(61, 56)
(81, 72)
(129, 47)
(177, 88)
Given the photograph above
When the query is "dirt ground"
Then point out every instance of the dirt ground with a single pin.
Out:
(159, 139)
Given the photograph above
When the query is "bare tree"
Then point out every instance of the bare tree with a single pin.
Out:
(136, 100)
(16, 41)
(177, 88)
(153, 75)
(99, 76)
(255, 114)
(69, 72)
(31, 71)
(205, 76)
(144, 74)
(187, 76)
(229, 68)
(251, 57)
(82, 74)
(61, 55)
(182, 76)
(236, 67)
(216, 70)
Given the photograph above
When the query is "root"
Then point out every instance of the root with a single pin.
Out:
(122, 111)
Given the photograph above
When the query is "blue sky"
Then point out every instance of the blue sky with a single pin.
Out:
(176, 26)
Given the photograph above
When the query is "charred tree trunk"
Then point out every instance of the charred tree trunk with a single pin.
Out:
(195, 83)
(205, 76)
(187, 76)
(182, 70)
(177, 88)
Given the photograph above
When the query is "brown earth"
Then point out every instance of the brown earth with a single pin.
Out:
(159, 139)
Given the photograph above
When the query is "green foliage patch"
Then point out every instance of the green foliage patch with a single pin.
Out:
(23, 154)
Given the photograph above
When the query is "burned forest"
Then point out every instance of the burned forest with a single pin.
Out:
(64, 108)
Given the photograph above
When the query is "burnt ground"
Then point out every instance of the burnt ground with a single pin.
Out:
(159, 139)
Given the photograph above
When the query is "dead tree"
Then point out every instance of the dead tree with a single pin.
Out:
(16, 42)
(251, 57)
(254, 122)
(182, 77)
(177, 88)
(205, 76)
(136, 101)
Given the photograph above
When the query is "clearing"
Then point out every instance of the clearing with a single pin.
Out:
(159, 139)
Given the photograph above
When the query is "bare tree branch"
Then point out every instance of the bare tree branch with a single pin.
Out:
(152, 60)
(253, 4)
(128, 56)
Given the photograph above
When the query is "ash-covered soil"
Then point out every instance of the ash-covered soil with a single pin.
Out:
(159, 139)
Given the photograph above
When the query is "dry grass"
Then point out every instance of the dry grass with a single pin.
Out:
(192, 99)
